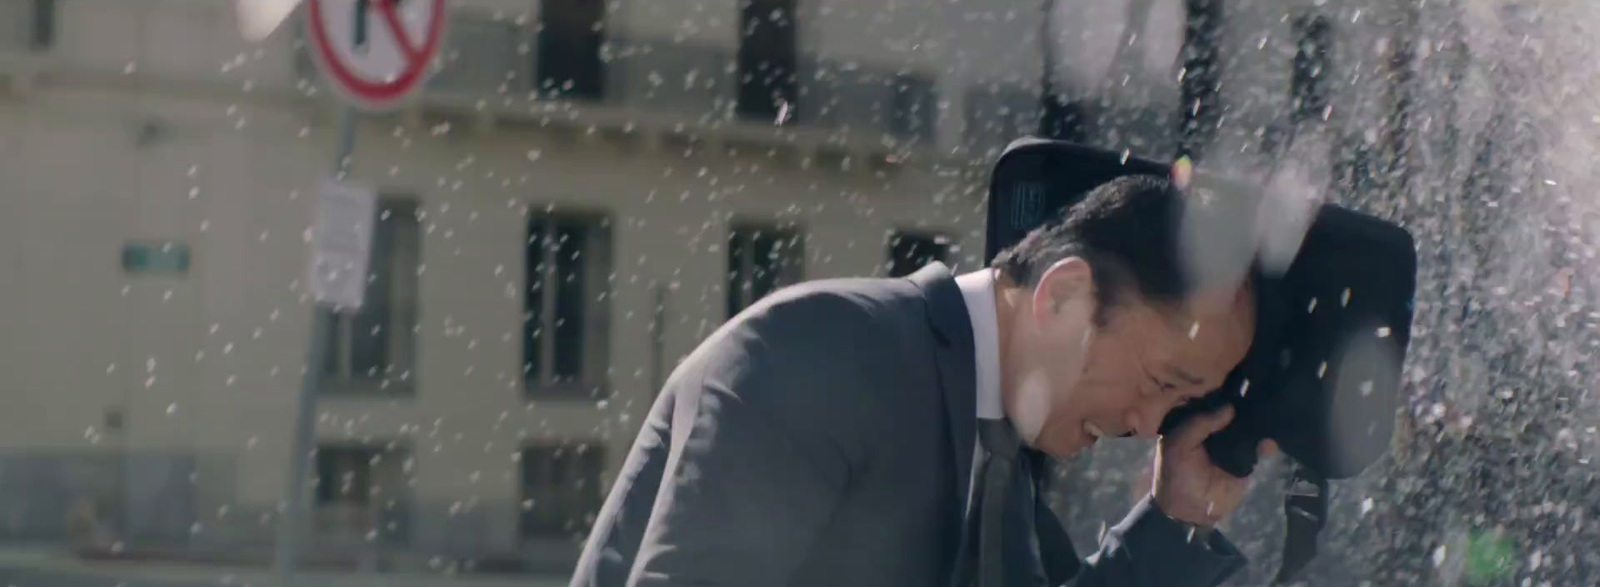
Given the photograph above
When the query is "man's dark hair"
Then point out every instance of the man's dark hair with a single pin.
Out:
(1127, 230)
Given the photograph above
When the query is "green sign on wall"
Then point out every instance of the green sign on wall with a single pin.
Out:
(165, 257)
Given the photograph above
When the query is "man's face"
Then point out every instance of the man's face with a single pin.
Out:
(1083, 381)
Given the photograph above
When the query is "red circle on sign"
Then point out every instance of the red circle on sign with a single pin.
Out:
(384, 93)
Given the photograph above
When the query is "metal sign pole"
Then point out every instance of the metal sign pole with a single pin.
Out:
(340, 259)
(291, 524)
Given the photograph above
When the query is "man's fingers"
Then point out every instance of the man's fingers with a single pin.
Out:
(1267, 449)
(1201, 427)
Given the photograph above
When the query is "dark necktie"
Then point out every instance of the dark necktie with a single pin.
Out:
(1012, 538)
(1000, 445)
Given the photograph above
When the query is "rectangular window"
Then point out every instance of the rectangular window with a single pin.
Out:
(362, 493)
(768, 60)
(761, 259)
(374, 350)
(43, 24)
(561, 490)
(570, 35)
(566, 306)
(910, 251)
(914, 111)
(344, 474)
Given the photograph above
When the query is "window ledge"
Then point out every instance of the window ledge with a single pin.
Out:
(368, 389)
(574, 390)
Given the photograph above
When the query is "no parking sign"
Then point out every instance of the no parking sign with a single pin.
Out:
(375, 53)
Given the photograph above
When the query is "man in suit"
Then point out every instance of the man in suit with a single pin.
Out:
(891, 432)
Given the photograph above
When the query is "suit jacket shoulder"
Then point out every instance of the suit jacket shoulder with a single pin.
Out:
(821, 354)
(804, 442)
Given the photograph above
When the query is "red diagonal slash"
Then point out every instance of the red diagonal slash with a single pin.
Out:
(376, 94)
(389, 10)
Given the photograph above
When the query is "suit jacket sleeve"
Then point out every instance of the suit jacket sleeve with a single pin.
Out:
(756, 462)
(1150, 549)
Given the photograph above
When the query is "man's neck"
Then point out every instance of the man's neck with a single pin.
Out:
(1007, 299)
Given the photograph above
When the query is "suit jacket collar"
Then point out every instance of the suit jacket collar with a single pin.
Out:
(952, 331)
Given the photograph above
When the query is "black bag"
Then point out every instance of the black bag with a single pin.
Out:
(1322, 377)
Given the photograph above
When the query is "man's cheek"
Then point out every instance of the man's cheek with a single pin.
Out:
(1033, 405)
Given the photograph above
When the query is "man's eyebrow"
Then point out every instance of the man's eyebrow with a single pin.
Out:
(1186, 376)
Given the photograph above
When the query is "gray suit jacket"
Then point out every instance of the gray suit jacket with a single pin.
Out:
(825, 437)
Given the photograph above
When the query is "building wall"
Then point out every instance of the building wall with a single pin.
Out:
(152, 122)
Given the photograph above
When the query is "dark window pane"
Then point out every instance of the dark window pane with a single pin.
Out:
(365, 342)
(768, 59)
(914, 106)
(761, 260)
(909, 252)
(560, 488)
(330, 360)
(533, 300)
(768, 250)
(44, 24)
(344, 474)
(569, 48)
(327, 476)
(738, 280)
(570, 300)
(369, 336)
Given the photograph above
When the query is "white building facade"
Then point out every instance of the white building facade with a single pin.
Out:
(586, 191)
(554, 235)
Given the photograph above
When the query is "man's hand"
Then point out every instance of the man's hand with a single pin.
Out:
(1188, 487)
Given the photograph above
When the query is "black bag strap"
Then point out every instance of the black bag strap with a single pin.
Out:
(1055, 547)
(1056, 554)
(1305, 512)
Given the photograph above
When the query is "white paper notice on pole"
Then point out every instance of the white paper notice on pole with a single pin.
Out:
(341, 244)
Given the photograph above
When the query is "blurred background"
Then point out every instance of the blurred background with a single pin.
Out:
(588, 188)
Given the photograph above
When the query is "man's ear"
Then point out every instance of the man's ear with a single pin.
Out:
(1064, 283)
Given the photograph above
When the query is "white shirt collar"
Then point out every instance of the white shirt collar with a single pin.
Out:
(977, 289)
